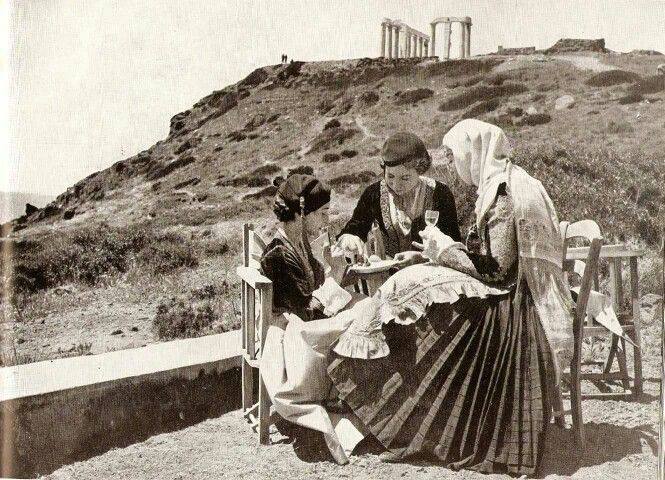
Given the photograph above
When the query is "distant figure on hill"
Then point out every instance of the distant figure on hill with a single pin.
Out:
(284, 58)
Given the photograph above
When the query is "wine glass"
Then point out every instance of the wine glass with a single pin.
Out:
(431, 217)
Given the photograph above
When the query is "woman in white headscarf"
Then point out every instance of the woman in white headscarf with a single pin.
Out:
(458, 359)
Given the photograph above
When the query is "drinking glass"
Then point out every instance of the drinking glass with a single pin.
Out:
(431, 217)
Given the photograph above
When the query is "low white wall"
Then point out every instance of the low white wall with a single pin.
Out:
(65, 410)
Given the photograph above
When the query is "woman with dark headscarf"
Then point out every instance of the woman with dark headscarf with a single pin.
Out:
(398, 202)
(301, 206)
(294, 355)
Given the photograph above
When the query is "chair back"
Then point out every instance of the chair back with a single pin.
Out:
(589, 231)
(256, 294)
(252, 247)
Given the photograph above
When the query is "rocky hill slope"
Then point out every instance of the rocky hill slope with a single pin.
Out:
(220, 156)
(124, 244)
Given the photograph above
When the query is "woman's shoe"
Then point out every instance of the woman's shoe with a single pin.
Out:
(390, 457)
(337, 406)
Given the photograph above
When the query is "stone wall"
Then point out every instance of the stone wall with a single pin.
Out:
(516, 51)
(44, 428)
(578, 45)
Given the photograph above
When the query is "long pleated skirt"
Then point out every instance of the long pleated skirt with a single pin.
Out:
(468, 383)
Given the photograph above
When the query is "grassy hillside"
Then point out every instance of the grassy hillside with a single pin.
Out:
(146, 247)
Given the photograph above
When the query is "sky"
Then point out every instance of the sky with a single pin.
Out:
(93, 82)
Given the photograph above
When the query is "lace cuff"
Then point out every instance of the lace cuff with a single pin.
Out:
(364, 346)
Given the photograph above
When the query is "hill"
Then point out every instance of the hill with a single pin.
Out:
(109, 257)
(13, 204)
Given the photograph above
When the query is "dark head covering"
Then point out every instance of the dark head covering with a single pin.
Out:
(403, 147)
(313, 192)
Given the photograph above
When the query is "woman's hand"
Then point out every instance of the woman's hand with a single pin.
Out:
(410, 258)
(435, 242)
(351, 244)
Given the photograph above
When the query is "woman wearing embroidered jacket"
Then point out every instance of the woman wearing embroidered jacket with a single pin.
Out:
(398, 202)
(294, 356)
(457, 359)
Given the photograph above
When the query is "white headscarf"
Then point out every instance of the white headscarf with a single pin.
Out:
(482, 158)
(481, 152)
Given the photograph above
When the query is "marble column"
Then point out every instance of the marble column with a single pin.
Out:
(446, 40)
(407, 44)
(383, 39)
(390, 41)
(468, 40)
(421, 40)
(433, 37)
(396, 45)
(462, 37)
(426, 48)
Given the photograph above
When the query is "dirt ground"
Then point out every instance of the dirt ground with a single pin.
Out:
(622, 443)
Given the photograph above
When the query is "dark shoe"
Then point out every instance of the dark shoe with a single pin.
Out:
(336, 406)
(390, 457)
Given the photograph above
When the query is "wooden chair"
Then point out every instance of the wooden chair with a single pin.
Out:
(630, 320)
(256, 309)
(589, 231)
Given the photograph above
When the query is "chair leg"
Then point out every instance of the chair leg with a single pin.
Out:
(264, 413)
(247, 386)
(623, 366)
(576, 404)
(613, 351)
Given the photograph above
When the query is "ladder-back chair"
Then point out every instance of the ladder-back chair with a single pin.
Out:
(256, 316)
(589, 231)
(629, 319)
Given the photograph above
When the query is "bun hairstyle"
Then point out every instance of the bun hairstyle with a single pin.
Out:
(407, 149)
(301, 194)
(282, 210)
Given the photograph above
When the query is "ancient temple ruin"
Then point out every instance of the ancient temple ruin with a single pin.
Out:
(465, 35)
(398, 40)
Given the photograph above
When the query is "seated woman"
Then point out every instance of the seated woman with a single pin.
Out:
(458, 360)
(301, 206)
(293, 360)
(397, 203)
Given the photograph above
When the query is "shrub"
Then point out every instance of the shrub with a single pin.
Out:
(332, 136)
(631, 98)
(330, 158)
(481, 93)
(349, 153)
(534, 119)
(612, 77)
(619, 127)
(331, 124)
(413, 96)
(267, 169)
(369, 98)
(358, 178)
(167, 252)
(325, 106)
(203, 311)
(301, 169)
(482, 107)
(91, 254)
(600, 184)
(653, 84)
